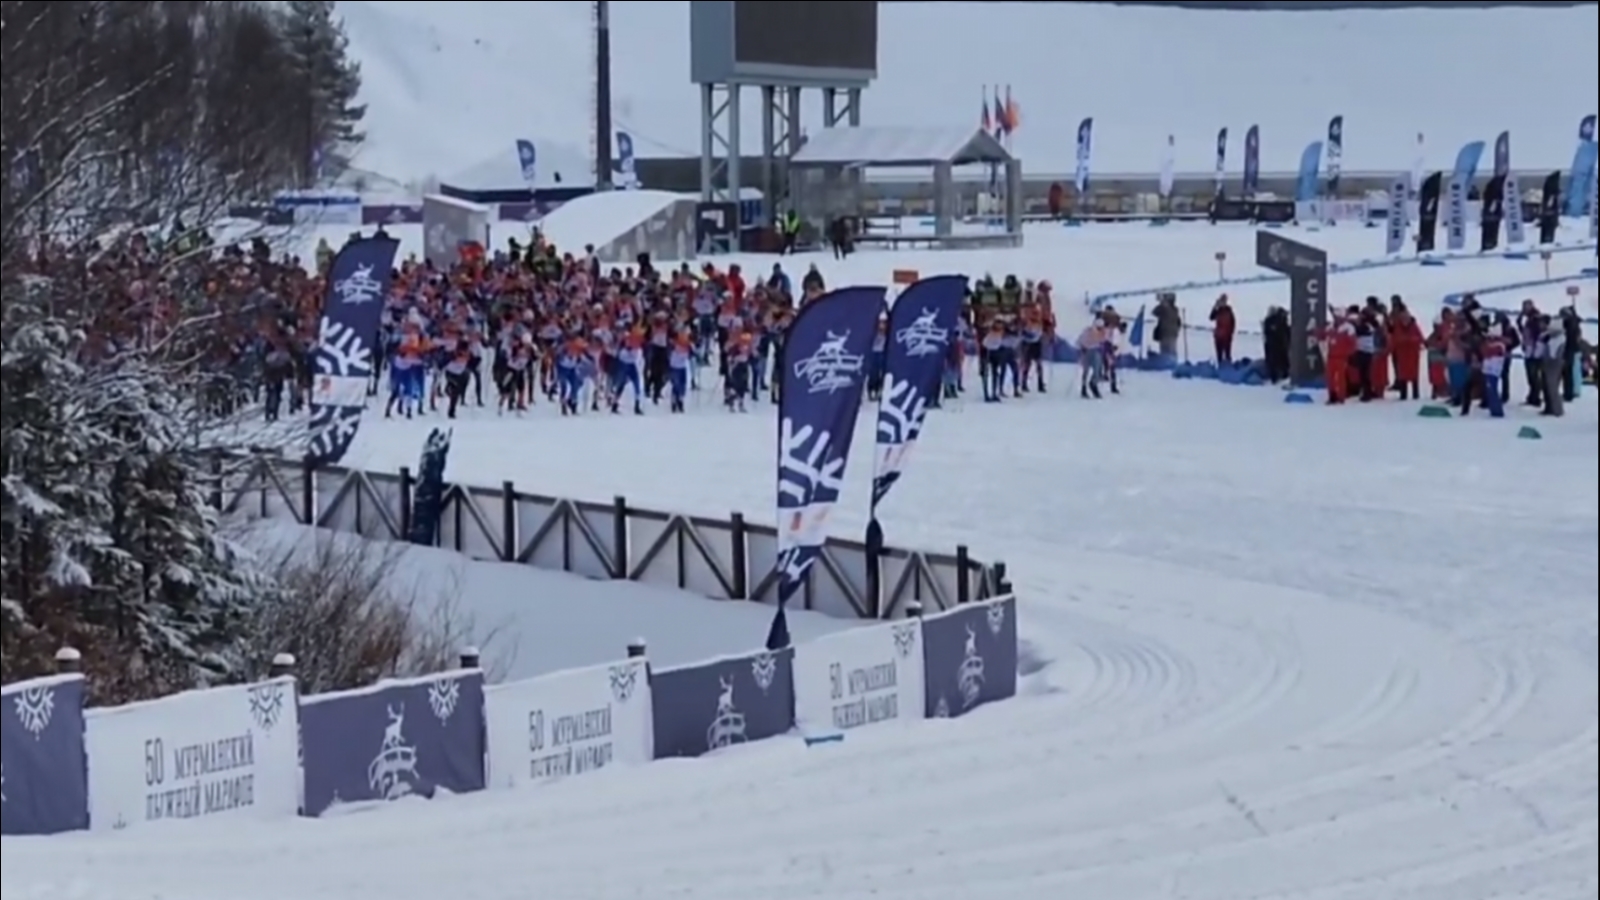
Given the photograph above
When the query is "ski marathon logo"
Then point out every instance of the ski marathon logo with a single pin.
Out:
(266, 703)
(358, 287)
(832, 367)
(970, 675)
(923, 336)
(905, 639)
(624, 681)
(393, 772)
(728, 726)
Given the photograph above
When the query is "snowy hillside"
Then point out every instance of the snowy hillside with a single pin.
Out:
(449, 84)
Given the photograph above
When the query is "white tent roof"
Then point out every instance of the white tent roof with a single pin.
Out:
(503, 171)
(889, 145)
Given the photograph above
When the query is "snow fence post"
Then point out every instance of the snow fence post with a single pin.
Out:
(1002, 584)
(282, 665)
(637, 649)
(69, 661)
(619, 537)
(914, 610)
(508, 522)
(739, 561)
(471, 658)
(963, 566)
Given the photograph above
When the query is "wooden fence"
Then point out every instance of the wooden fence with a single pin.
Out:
(720, 559)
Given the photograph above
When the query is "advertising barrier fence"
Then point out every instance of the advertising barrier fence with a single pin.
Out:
(261, 751)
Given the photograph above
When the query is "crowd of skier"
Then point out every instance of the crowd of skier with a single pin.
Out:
(529, 324)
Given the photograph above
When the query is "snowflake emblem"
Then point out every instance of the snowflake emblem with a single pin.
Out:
(764, 669)
(443, 695)
(266, 704)
(997, 618)
(905, 639)
(624, 680)
(35, 706)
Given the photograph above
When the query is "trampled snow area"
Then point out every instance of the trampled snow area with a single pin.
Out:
(1289, 653)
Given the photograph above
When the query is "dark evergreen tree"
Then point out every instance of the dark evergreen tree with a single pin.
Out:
(331, 79)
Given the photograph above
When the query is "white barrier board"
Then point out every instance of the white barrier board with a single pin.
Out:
(859, 677)
(568, 723)
(231, 751)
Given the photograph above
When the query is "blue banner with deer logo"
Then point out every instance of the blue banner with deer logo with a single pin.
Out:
(358, 284)
(970, 657)
(723, 703)
(408, 738)
(824, 375)
(922, 324)
(44, 784)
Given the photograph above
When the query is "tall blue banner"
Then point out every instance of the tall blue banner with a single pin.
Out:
(1502, 154)
(1221, 169)
(1335, 153)
(1305, 188)
(1580, 179)
(821, 384)
(427, 499)
(1252, 160)
(1085, 149)
(528, 160)
(922, 323)
(358, 282)
(1461, 179)
(45, 788)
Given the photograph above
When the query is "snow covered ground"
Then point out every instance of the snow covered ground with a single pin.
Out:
(529, 622)
(450, 84)
(1288, 653)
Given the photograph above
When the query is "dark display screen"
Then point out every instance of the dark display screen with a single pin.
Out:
(837, 34)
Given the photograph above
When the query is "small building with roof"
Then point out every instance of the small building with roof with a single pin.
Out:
(828, 172)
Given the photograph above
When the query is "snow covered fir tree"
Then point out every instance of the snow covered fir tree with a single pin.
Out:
(128, 128)
(331, 79)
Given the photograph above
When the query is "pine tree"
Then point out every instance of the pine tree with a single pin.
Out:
(317, 39)
(109, 542)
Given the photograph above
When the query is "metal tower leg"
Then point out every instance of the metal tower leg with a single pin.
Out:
(719, 143)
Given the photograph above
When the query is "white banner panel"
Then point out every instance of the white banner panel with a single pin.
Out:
(859, 677)
(568, 723)
(231, 751)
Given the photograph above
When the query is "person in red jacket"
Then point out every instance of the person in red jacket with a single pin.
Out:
(1405, 346)
(1223, 325)
(1341, 349)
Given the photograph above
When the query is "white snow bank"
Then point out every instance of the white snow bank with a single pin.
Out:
(530, 622)
(601, 218)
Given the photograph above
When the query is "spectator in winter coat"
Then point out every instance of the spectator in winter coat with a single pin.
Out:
(1553, 356)
(1168, 325)
(1275, 331)
(1223, 325)
(1405, 348)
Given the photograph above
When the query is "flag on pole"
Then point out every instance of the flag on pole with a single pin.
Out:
(823, 378)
